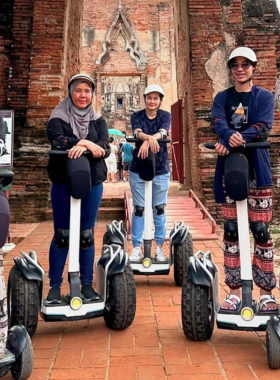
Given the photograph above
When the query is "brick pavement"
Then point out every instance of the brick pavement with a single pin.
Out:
(153, 347)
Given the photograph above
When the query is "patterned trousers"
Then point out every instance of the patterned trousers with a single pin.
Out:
(259, 210)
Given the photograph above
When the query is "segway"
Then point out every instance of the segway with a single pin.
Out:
(200, 290)
(19, 352)
(180, 239)
(115, 283)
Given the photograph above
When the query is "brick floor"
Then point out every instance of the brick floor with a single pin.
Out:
(154, 346)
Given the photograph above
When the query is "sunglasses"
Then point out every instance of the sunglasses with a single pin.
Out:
(244, 66)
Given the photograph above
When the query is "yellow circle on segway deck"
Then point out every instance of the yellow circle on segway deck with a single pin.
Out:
(146, 262)
(247, 313)
(76, 303)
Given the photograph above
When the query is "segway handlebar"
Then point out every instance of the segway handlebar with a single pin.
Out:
(56, 152)
(259, 145)
(6, 178)
(133, 139)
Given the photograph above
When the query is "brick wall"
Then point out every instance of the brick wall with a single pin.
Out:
(6, 15)
(216, 27)
(41, 52)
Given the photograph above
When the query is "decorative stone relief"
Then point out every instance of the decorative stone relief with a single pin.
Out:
(216, 68)
(120, 98)
(277, 93)
(216, 65)
(121, 25)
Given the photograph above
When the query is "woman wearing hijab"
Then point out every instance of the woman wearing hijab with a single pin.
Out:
(75, 127)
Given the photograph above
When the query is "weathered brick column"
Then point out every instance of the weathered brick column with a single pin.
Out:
(44, 54)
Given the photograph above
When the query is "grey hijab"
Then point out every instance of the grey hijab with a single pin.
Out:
(78, 119)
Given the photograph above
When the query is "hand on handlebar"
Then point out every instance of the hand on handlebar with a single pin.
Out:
(236, 140)
(96, 150)
(144, 149)
(150, 143)
(221, 150)
(76, 151)
(153, 144)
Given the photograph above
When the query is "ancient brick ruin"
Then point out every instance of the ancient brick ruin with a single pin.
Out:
(125, 45)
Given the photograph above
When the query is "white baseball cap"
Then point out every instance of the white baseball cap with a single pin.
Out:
(243, 52)
(153, 88)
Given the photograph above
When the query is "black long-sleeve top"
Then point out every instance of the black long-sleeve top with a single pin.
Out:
(61, 137)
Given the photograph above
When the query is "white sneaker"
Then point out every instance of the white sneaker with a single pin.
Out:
(136, 254)
(160, 255)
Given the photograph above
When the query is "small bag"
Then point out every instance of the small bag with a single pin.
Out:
(79, 178)
(147, 167)
(237, 176)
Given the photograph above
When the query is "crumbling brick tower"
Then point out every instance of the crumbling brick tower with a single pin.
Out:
(40, 45)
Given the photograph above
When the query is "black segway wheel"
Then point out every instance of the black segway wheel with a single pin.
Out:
(23, 301)
(21, 369)
(272, 347)
(120, 306)
(197, 310)
(181, 254)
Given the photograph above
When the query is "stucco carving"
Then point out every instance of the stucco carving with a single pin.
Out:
(216, 69)
(216, 65)
(120, 98)
(121, 25)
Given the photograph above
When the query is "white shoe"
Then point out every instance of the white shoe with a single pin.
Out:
(136, 254)
(160, 255)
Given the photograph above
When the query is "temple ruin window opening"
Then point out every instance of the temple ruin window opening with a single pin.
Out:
(119, 102)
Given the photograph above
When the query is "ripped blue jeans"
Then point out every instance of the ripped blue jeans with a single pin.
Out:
(159, 197)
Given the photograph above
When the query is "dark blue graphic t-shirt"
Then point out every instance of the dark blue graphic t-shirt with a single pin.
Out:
(237, 110)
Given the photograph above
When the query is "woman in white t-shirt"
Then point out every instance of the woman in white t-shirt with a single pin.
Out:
(111, 162)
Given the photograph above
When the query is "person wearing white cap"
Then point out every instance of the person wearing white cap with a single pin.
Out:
(150, 125)
(244, 113)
